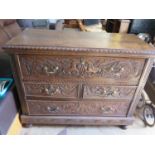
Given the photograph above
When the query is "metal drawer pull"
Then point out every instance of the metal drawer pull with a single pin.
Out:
(52, 109)
(53, 71)
(121, 69)
(115, 92)
(106, 109)
(49, 91)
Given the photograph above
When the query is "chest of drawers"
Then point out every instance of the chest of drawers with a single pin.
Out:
(79, 78)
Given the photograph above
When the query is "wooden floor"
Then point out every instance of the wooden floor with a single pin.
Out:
(15, 127)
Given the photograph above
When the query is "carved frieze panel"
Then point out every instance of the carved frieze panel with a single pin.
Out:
(83, 67)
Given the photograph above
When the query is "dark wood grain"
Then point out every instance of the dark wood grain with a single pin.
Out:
(83, 108)
(75, 120)
(45, 38)
(61, 90)
(105, 69)
(108, 92)
(79, 78)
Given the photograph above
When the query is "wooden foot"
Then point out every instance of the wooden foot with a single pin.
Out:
(123, 127)
(27, 125)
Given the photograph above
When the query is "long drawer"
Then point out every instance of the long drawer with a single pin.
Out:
(106, 69)
(84, 108)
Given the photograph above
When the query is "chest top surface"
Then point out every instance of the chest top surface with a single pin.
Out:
(79, 41)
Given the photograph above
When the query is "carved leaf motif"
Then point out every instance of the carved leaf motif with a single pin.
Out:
(53, 90)
(107, 108)
(64, 90)
(81, 67)
(108, 92)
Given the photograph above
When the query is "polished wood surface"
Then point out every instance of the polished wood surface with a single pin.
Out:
(75, 41)
(79, 78)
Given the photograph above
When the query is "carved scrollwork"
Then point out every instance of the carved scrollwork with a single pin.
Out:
(96, 91)
(87, 108)
(64, 90)
(84, 67)
(90, 67)
(52, 90)
(109, 108)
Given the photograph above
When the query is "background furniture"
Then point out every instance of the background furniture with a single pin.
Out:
(143, 26)
(150, 85)
(87, 25)
(8, 104)
(146, 26)
(8, 29)
(8, 110)
(117, 25)
(78, 77)
(37, 23)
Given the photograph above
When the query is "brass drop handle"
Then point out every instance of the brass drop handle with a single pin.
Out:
(53, 71)
(52, 109)
(112, 69)
(106, 109)
(48, 91)
(114, 92)
(110, 93)
(82, 62)
(121, 69)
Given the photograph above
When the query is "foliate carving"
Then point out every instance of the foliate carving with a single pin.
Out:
(89, 67)
(52, 90)
(53, 108)
(108, 108)
(97, 91)
(87, 108)
(27, 63)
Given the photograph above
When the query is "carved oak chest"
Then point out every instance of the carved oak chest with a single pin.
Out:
(79, 78)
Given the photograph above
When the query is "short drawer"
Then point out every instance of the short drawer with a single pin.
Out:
(93, 91)
(52, 90)
(84, 108)
(106, 69)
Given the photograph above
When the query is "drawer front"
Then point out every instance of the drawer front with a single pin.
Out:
(85, 108)
(67, 90)
(109, 70)
(108, 92)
